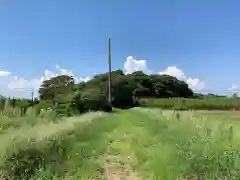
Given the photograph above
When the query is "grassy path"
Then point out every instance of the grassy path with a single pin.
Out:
(136, 144)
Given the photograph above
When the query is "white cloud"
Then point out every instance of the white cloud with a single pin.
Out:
(86, 79)
(174, 71)
(132, 64)
(16, 87)
(234, 89)
(194, 83)
(18, 83)
(49, 74)
(4, 73)
(20, 87)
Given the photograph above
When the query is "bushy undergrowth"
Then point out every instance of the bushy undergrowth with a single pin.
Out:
(198, 104)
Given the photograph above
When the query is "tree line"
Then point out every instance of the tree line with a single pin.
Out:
(67, 97)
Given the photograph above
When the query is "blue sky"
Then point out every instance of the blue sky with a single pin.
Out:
(199, 38)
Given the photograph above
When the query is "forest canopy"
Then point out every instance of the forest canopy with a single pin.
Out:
(126, 90)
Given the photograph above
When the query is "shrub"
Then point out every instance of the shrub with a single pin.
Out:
(90, 99)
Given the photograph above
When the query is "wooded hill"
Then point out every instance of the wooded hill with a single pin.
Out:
(63, 94)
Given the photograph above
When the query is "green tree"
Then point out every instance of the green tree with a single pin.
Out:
(90, 99)
(56, 85)
(235, 95)
(126, 90)
(168, 86)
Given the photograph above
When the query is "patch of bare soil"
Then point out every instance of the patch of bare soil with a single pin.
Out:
(116, 170)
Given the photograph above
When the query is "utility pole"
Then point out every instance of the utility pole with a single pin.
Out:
(109, 75)
(32, 94)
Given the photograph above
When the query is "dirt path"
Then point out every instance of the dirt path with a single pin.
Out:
(118, 158)
(115, 170)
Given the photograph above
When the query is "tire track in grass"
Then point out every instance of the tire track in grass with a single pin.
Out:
(142, 146)
(118, 159)
(142, 142)
(98, 137)
(114, 170)
(166, 132)
(153, 144)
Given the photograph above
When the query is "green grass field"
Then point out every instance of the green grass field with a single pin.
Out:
(188, 104)
(147, 144)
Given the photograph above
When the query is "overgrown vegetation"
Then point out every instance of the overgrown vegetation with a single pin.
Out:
(132, 144)
(188, 104)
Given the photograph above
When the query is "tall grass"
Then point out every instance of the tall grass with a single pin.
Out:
(198, 104)
(152, 143)
(25, 150)
(186, 147)
(29, 119)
